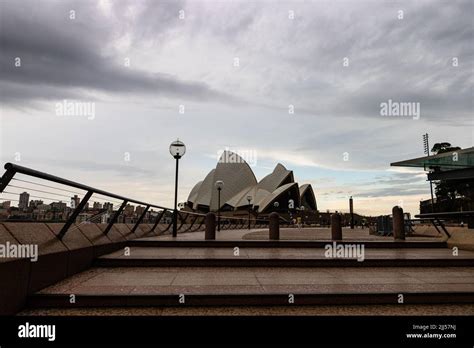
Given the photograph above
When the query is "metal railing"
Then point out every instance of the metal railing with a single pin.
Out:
(188, 221)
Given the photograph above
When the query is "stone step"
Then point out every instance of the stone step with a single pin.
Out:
(219, 286)
(153, 242)
(283, 257)
(256, 299)
(274, 262)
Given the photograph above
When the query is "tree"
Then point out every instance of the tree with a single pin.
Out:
(443, 147)
(448, 191)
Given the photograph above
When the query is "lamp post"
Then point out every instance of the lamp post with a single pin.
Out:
(351, 210)
(249, 198)
(302, 216)
(219, 185)
(177, 150)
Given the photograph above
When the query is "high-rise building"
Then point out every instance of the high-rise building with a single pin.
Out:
(75, 201)
(139, 210)
(129, 209)
(97, 205)
(24, 199)
(35, 202)
(58, 206)
(109, 207)
(6, 204)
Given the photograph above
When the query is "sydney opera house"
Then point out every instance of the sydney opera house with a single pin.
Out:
(241, 191)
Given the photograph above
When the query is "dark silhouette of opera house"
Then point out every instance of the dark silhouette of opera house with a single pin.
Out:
(241, 192)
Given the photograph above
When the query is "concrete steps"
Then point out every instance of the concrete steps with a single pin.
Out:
(275, 262)
(371, 244)
(283, 273)
(228, 255)
(256, 299)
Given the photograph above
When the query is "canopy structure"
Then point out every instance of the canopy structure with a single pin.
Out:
(459, 159)
(453, 165)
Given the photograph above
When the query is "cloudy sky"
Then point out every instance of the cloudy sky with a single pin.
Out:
(221, 74)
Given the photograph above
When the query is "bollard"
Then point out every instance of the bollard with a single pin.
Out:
(398, 223)
(274, 226)
(210, 233)
(470, 222)
(336, 227)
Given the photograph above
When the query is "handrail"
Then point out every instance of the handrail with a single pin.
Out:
(228, 222)
(10, 167)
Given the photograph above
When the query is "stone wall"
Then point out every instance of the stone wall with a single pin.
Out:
(57, 259)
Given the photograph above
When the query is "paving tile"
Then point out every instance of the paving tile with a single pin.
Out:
(384, 280)
(281, 253)
(297, 280)
(101, 289)
(203, 289)
(209, 279)
(131, 279)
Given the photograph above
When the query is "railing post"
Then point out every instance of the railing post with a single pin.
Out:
(158, 219)
(140, 219)
(203, 220)
(336, 227)
(210, 233)
(115, 217)
(6, 178)
(182, 220)
(74, 214)
(192, 223)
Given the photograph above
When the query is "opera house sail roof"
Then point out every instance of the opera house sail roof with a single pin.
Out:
(240, 183)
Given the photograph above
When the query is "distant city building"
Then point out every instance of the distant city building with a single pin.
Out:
(128, 210)
(43, 208)
(58, 206)
(109, 207)
(75, 201)
(6, 204)
(24, 199)
(97, 205)
(34, 203)
(139, 210)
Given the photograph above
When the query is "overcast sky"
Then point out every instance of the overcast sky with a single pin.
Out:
(235, 68)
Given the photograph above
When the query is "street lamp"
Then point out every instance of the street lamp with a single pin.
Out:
(177, 150)
(219, 185)
(302, 215)
(249, 198)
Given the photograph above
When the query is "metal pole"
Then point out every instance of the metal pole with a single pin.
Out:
(249, 215)
(351, 208)
(115, 217)
(427, 151)
(432, 199)
(218, 210)
(175, 211)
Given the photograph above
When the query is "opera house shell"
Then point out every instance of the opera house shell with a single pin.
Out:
(240, 183)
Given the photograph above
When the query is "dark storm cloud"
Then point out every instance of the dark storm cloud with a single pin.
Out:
(60, 56)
